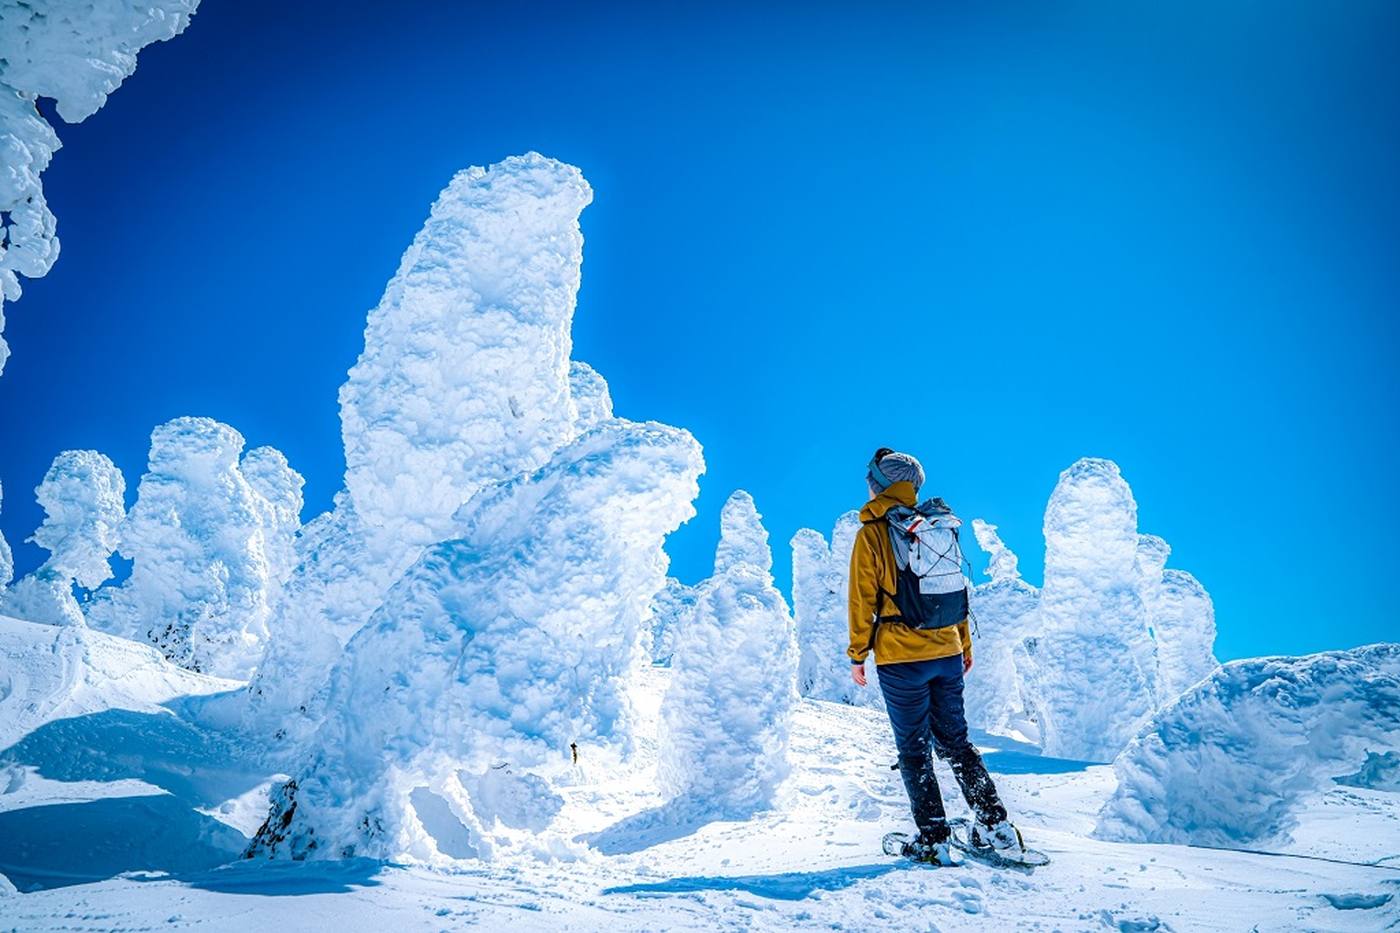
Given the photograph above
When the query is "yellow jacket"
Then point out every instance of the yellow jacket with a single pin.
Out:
(873, 571)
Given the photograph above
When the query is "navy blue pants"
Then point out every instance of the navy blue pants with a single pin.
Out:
(925, 703)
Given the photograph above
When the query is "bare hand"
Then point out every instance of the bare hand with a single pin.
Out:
(858, 674)
(967, 663)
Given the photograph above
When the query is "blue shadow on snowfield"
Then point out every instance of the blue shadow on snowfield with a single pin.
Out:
(158, 748)
(75, 843)
(787, 886)
(1009, 756)
(643, 830)
(53, 845)
(287, 878)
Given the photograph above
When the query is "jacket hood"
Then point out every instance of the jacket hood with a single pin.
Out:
(900, 493)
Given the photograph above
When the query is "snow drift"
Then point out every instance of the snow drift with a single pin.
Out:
(1232, 760)
(493, 654)
(725, 721)
(76, 53)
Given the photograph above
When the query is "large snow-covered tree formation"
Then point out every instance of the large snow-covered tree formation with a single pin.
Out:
(202, 541)
(75, 52)
(496, 651)
(725, 719)
(467, 611)
(465, 380)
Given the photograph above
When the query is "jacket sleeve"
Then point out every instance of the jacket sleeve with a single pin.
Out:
(965, 633)
(863, 592)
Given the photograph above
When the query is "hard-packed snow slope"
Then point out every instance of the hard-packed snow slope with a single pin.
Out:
(97, 764)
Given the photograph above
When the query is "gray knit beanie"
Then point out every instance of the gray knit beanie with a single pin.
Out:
(898, 467)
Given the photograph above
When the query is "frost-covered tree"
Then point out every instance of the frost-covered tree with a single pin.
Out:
(1231, 761)
(83, 497)
(820, 583)
(75, 52)
(1089, 669)
(200, 578)
(1007, 611)
(496, 651)
(725, 720)
(1182, 620)
(279, 489)
(464, 376)
(669, 610)
(7, 560)
(464, 380)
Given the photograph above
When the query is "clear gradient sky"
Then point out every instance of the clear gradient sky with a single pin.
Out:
(999, 238)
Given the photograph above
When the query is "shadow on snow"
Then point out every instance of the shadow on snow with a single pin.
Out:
(786, 886)
(53, 845)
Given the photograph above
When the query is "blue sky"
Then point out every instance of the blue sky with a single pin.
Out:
(998, 238)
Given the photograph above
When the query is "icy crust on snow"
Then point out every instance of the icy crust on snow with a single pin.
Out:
(464, 378)
(83, 496)
(1233, 760)
(820, 583)
(1089, 671)
(726, 719)
(493, 653)
(199, 537)
(77, 53)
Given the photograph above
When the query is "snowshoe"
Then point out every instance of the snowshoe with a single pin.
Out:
(938, 854)
(1000, 846)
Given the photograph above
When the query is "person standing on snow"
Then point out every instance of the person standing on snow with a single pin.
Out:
(908, 604)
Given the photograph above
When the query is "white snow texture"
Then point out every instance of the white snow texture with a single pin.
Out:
(199, 538)
(726, 719)
(1232, 760)
(76, 52)
(496, 650)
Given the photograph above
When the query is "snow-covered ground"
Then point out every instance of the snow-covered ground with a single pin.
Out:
(118, 811)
